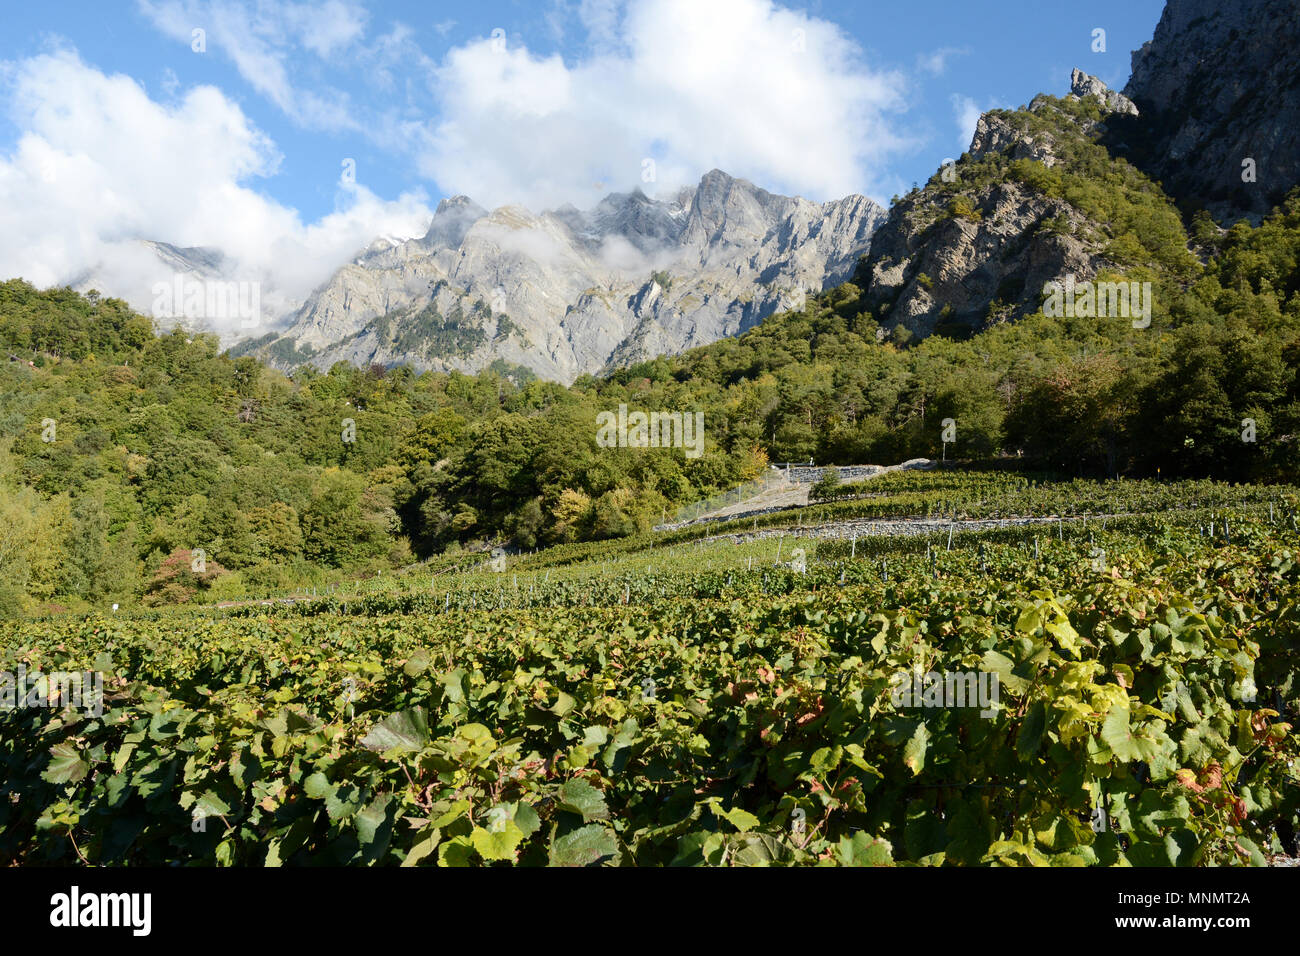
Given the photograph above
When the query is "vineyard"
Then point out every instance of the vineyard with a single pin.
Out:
(695, 699)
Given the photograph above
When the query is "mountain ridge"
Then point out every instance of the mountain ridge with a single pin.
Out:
(567, 292)
(1217, 86)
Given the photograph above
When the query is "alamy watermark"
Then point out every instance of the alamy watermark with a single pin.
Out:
(74, 908)
(208, 299)
(82, 690)
(651, 430)
(1100, 300)
(950, 689)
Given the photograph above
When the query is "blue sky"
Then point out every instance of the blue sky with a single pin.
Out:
(111, 112)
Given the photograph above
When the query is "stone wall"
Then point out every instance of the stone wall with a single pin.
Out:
(811, 474)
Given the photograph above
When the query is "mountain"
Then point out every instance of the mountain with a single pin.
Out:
(1093, 184)
(568, 292)
(196, 288)
(1036, 198)
(1217, 85)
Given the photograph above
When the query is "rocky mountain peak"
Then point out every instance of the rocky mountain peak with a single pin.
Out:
(715, 182)
(1220, 104)
(966, 253)
(571, 291)
(452, 220)
(454, 202)
(995, 132)
(1084, 85)
(1212, 112)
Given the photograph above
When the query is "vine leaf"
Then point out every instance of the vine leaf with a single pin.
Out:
(914, 749)
(407, 730)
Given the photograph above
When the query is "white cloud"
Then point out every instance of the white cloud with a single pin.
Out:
(936, 62)
(324, 28)
(967, 113)
(600, 18)
(759, 91)
(261, 41)
(171, 83)
(99, 165)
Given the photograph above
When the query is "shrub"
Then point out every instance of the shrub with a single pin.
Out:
(828, 486)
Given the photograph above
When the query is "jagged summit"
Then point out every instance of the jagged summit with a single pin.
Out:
(1211, 113)
(452, 220)
(454, 202)
(1083, 85)
(977, 248)
(1220, 103)
(569, 291)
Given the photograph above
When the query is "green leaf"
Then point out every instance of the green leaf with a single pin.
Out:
(123, 755)
(474, 733)
(690, 849)
(864, 850)
(1253, 851)
(914, 749)
(343, 802)
(527, 820)
(458, 851)
(1129, 744)
(318, 786)
(759, 849)
(417, 663)
(1029, 621)
(210, 805)
(290, 841)
(408, 730)
(452, 688)
(742, 820)
(66, 765)
(1066, 636)
(580, 797)
(1004, 667)
(422, 849)
(628, 731)
(374, 828)
(454, 812)
(586, 846)
(1115, 734)
(498, 843)
(1030, 737)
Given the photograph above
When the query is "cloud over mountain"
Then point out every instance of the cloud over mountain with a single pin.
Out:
(772, 94)
(100, 165)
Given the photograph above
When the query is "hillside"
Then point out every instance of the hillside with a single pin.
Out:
(122, 451)
(163, 445)
(1036, 198)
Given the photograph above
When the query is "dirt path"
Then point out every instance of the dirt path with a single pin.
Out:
(788, 494)
(784, 496)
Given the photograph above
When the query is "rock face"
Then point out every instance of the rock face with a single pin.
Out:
(569, 292)
(964, 254)
(1217, 85)
(1083, 85)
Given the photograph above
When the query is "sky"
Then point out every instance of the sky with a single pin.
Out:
(291, 134)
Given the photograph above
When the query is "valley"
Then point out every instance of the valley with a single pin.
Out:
(703, 526)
